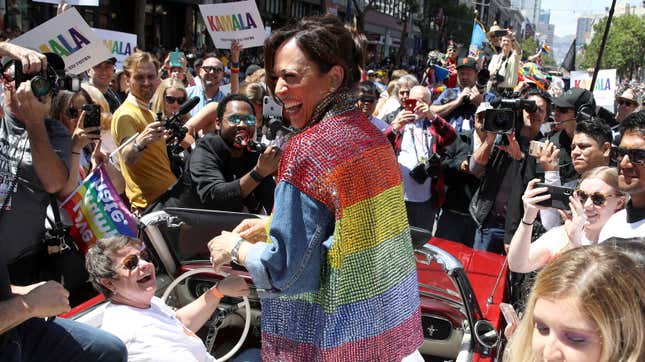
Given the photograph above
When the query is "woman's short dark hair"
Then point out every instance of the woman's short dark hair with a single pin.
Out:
(99, 264)
(63, 100)
(368, 87)
(221, 107)
(325, 42)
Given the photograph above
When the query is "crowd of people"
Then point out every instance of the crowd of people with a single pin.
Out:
(488, 157)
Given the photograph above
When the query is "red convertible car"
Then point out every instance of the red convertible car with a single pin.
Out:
(460, 288)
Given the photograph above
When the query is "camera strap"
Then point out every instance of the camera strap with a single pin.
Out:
(424, 141)
(20, 149)
(57, 244)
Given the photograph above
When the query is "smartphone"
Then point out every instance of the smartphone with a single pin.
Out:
(559, 196)
(92, 116)
(175, 58)
(535, 147)
(509, 313)
(410, 104)
(271, 108)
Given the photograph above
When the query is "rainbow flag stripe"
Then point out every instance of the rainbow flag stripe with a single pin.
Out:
(367, 308)
(97, 211)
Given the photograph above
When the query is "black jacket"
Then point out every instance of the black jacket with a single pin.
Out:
(211, 180)
(460, 186)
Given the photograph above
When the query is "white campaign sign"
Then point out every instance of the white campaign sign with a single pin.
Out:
(605, 88)
(120, 45)
(69, 36)
(234, 21)
(71, 2)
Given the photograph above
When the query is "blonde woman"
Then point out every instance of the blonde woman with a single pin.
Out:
(587, 305)
(170, 95)
(255, 92)
(593, 203)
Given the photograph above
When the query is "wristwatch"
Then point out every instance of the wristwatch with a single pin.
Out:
(236, 250)
(256, 176)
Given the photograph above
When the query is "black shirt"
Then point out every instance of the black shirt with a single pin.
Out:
(211, 180)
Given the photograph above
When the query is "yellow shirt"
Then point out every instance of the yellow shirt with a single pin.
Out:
(150, 176)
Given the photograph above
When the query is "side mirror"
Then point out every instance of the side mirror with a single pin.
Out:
(485, 334)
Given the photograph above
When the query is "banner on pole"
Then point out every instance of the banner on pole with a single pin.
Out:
(71, 2)
(234, 21)
(97, 211)
(69, 36)
(604, 91)
(120, 45)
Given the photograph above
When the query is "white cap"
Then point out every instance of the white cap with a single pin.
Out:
(483, 106)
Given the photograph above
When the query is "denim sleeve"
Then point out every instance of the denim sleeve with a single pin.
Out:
(301, 232)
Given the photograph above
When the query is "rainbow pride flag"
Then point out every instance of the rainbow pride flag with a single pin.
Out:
(97, 211)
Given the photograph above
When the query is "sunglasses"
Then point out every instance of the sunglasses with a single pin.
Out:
(236, 119)
(172, 100)
(131, 261)
(367, 99)
(598, 198)
(209, 69)
(627, 103)
(636, 155)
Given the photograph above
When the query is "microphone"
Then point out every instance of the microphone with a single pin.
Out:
(187, 106)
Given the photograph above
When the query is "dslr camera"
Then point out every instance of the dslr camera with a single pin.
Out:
(48, 81)
(502, 118)
(425, 169)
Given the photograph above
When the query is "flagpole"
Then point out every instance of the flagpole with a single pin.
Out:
(118, 150)
(602, 46)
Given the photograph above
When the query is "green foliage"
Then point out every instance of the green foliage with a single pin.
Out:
(625, 45)
(529, 47)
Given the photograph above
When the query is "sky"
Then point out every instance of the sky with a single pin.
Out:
(564, 14)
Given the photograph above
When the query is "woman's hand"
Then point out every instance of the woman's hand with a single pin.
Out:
(84, 136)
(233, 286)
(574, 224)
(532, 196)
(549, 156)
(252, 230)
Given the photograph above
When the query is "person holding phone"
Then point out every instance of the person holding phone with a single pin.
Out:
(418, 136)
(593, 203)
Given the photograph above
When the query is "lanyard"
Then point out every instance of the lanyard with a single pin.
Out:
(425, 138)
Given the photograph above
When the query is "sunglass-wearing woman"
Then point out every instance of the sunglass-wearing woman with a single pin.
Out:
(592, 204)
(120, 268)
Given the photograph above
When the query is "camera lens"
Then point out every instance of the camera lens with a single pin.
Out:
(40, 86)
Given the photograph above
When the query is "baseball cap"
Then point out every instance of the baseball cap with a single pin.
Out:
(111, 60)
(483, 107)
(467, 62)
(573, 98)
(251, 69)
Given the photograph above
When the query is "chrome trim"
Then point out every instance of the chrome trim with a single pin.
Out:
(150, 222)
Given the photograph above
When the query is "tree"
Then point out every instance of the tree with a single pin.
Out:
(529, 47)
(625, 45)
(409, 7)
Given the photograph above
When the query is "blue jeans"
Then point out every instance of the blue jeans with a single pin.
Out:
(490, 239)
(61, 340)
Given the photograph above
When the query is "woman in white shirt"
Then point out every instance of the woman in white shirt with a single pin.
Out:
(593, 203)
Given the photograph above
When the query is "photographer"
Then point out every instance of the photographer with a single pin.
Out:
(505, 170)
(457, 105)
(35, 152)
(144, 163)
(221, 172)
(504, 66)
(418, 136)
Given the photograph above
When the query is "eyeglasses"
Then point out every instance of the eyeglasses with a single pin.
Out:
(404, 93)
(626, 103)
(598, 198)
(172, 100)
(636, 155)
(236, 119)
(367, 99)
(209, 69)
(131, 261)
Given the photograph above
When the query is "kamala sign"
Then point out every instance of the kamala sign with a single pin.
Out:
(120, 45)
(604, 91)
(69, 36)
(230, 22)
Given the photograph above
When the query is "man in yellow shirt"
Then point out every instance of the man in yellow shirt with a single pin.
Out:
(144, 162)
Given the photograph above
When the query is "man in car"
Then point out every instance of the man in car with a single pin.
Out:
(222, 174)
